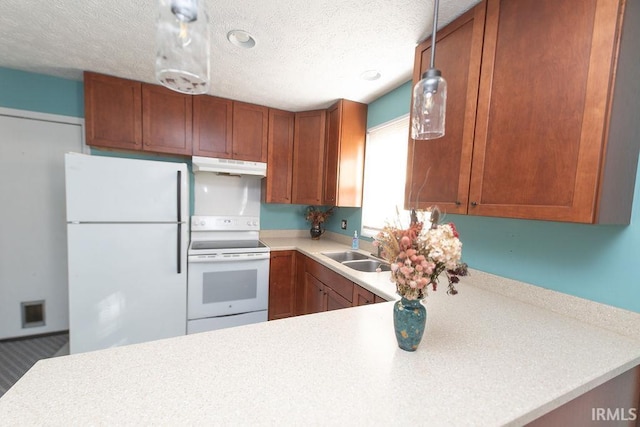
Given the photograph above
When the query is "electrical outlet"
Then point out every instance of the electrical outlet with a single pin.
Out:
(343, 224)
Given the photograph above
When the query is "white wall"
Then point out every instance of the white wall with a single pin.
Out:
(33, 250)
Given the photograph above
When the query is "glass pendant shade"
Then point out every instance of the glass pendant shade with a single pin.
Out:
(429, 106)
(182, 41)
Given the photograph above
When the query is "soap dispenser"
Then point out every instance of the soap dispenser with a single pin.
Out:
(354, 242)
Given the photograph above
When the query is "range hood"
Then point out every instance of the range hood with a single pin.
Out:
(228, 166)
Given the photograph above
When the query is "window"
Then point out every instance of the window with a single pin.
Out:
(384, 174)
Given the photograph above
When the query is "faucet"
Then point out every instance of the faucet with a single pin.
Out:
(379, 250)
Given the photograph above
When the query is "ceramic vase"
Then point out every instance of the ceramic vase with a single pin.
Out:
(315, 231)
(409, 319)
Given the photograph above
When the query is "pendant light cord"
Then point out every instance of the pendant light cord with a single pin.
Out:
(433, 33)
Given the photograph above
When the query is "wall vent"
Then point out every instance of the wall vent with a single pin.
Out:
(32, 313)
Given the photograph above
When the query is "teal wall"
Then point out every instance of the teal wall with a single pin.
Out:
(394, 104)
(594, 262)
(44, 94)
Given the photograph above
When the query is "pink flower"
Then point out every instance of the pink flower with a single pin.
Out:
(405, 242)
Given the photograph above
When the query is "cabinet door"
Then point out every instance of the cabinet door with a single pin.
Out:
(280, 157)
(281, 284)
(308, 155)
(344, 154)
(377, 299)
(337, 282)
(334, 300)
(113, 112)
(212, 125)
(438, 170)
(300, 286)
(315, 297)
(166, 120)
(332, 147)
(362, 296)
(250, 125)
(542, 107)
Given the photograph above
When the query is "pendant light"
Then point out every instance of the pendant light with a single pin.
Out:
(182, 41)
(430, 96)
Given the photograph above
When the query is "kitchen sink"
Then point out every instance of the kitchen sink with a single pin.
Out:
(345, 256)
(367, 265)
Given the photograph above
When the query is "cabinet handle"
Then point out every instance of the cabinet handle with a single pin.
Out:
(458, 202)
(474, 204)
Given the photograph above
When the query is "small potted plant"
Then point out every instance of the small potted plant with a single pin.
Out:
(317, 217)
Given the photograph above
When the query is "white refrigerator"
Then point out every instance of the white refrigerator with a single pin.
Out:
(127, 250)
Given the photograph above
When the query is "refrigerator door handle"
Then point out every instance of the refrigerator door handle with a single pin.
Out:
(179, 248)
(179, 193)
(179, 205)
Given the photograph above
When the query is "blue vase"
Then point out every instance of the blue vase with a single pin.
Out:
(409, 319)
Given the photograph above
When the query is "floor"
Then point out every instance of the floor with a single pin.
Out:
(19, 355)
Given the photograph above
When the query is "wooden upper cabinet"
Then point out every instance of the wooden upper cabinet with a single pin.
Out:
(113, 112)
(212, 126)
(250, 126)
(308, 155)
(331, 148)
(166, 120)
(555, 134)
(552, 139)
(438, 170)
(344, 154)
(279, 179)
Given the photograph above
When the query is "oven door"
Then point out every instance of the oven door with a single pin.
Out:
(222, 285)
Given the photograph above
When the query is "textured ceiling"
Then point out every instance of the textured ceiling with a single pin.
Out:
(307, 55)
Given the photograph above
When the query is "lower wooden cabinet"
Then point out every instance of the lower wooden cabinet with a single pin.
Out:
(315, 300)
(299, 298)
(377, 299)
(362, 296)
(282, 289)
(299, 285)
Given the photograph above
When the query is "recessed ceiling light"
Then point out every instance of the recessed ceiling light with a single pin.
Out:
(241, 38)
(370, 75)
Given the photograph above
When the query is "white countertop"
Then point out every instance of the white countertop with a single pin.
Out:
(486, 359)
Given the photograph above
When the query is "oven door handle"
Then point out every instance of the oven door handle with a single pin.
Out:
(218, 259)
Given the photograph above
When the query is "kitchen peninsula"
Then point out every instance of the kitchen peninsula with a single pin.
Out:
(498, 353)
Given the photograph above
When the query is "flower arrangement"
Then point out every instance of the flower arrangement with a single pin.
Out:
(419, 254)
(316, 216)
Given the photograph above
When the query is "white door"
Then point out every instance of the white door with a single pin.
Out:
(33, 234)
(103, 189)
(124, 284)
